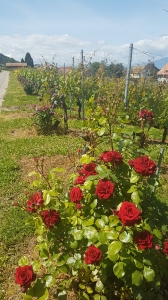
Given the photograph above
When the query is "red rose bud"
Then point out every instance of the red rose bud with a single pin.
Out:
(50, 217)
(16, 203)
(165, 250)
(129, 214)
(143, 165)
(93, 255)
(76, 194)
(24, 276)
(144, 240)
(79, 206)
(104, 189)
(112, 157)
(79, 150)
(157, 247)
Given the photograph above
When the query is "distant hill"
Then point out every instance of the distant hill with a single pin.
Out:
(5, 59)
(160, 63)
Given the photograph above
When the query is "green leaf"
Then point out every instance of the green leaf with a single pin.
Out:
(23, 261)
(137, 278)
(101, 131)
(100, 223)
(112, 234)
(57, 169)
(71, 261)
(135, 197)
(114, 248)
(99, 286)
(132, 189)
(90, 232)
(27, 297)
(158, 234)
(74, 244)
(125, 237)
(88, 222)
(136, 129)
(78, 235)
(50, 280)
(134, 178)
(85, 296)
(138, 264)
(149, 274)
(102, 121)
(113, 221)
(102, 237)
(96, 297)
(103, 298)
(89, 290)
(118, 269)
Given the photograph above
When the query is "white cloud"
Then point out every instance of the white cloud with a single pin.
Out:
(63, 47)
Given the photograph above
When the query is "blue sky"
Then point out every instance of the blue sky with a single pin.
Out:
(104, 29)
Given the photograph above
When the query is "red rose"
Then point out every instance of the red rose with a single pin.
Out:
(144, 240)
(146, 115)
(37, 198)
(129, 214)
(143, 165)
(80, 179)
(165, 250)
(24, 276)
(76, 194)
(88, 169)
(50, 217)
(92, 255)
(112, 157)
(104, 189)
(35, 201)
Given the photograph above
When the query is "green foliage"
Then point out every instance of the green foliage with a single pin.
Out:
(29, 60)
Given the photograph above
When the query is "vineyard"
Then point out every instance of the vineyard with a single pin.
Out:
(101, 230)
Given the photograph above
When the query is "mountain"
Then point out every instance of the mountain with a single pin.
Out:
(5, 59)
(160, 63)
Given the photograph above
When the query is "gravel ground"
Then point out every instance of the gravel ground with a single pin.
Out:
(4, 78)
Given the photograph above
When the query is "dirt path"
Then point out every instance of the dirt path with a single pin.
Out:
(4, 78)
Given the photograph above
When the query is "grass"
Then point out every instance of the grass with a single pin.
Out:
(19, 141)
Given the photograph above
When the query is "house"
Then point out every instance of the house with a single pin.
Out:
(138, 72)
(162, 75)
(64, 70)
(14, 66)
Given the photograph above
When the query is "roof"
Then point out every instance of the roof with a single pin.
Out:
(137, 69)
(163, 71)
(61, 70)
(16, 64)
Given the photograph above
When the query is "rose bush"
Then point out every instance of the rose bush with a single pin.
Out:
(103, 236)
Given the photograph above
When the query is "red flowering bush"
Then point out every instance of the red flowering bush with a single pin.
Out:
(129, 214)
(143, 165)
(92, 255)
(50, 217)
(24, 276)
(144, 240)
(104, 189)
(146, 115)
(101, 246)
(112, 157)
(76, 194)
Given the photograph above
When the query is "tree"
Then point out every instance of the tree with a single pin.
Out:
(22, 60)
(29, 60)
